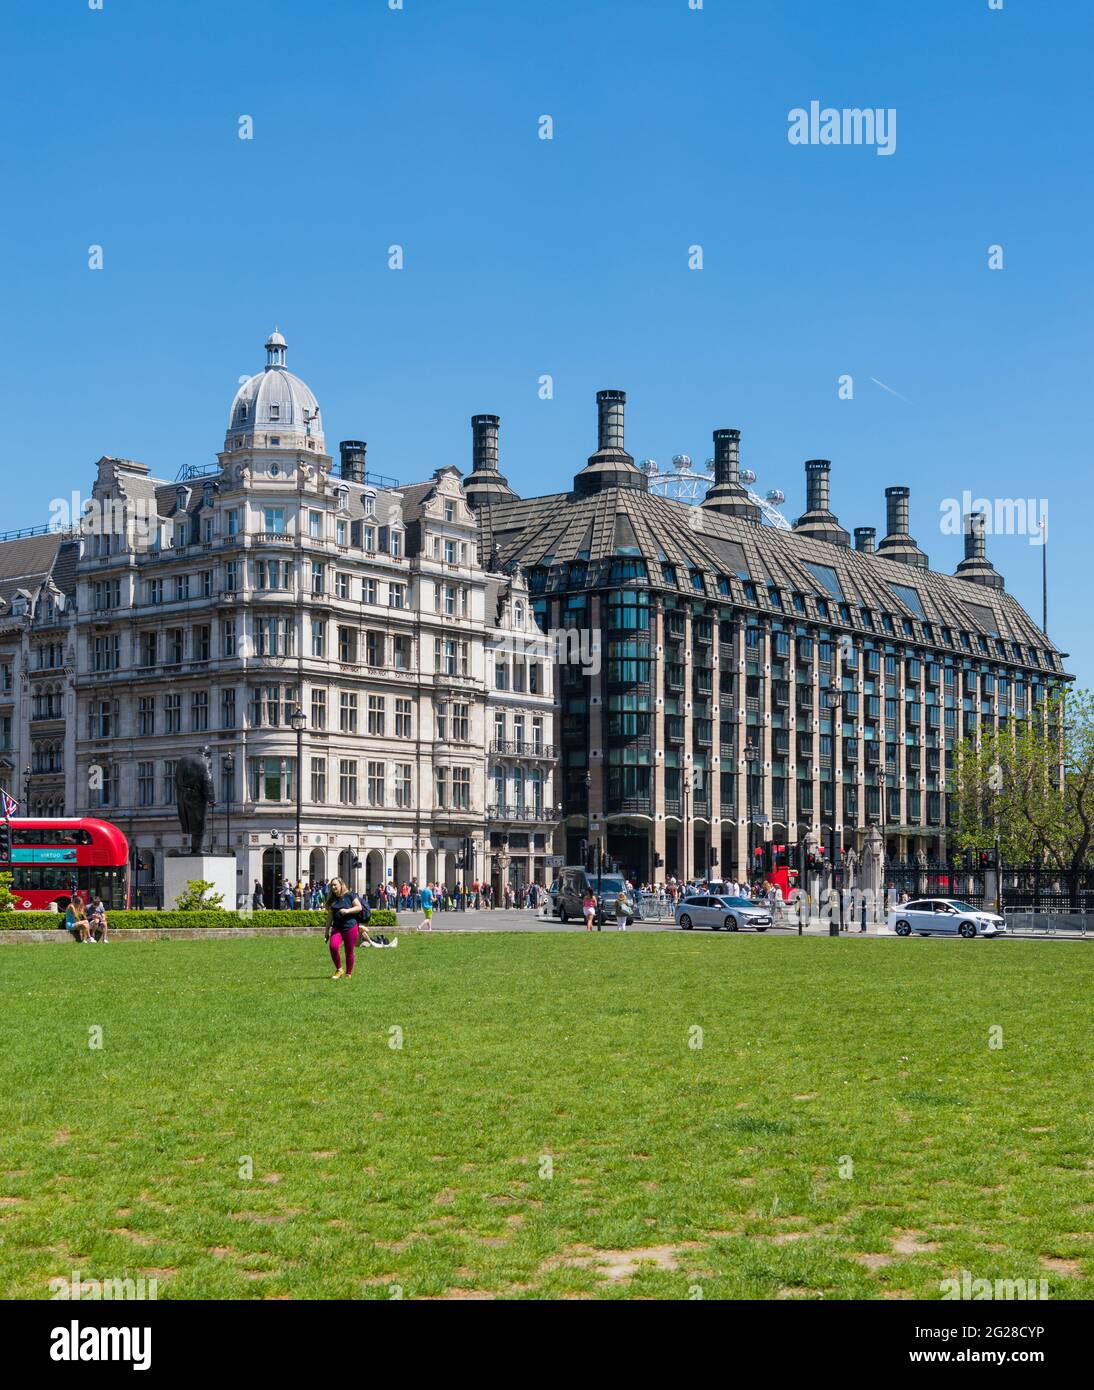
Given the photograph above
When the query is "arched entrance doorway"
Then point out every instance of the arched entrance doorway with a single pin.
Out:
(402, 869)
(273, 871)
(374, 870)
(431, 867)
(317, 865)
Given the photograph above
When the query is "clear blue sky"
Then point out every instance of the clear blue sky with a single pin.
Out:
(566, 257)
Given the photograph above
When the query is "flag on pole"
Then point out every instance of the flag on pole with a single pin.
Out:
(11, 806)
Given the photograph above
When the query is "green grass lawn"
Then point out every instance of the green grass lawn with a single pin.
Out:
(546, 1120)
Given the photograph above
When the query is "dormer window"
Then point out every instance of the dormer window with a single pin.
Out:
(242, 413)
(275, 412)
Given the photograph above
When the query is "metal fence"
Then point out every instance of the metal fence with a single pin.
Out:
(937, 879)
(1041, 888)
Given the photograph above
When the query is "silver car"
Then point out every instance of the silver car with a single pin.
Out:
(719, 912)
(944, 917)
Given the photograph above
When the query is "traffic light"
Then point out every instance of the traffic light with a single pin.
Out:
(713, 856)
(5, 842)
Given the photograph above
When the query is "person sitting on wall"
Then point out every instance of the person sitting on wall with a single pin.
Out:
(76, 920)
(96, 922)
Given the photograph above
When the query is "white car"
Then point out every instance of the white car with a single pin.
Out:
(944, 917)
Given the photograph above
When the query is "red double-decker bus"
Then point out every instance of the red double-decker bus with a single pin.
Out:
(53, 859)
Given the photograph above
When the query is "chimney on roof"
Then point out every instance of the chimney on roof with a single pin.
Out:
(611, 465)
(818, 519)
(866, 539)
(484, 443)
(485, 484)
(897, 544)
(351, 464)
(727, 458)
(728, 496)
(976, 567)
(610, 406)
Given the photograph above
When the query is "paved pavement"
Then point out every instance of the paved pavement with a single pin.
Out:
(523, 919)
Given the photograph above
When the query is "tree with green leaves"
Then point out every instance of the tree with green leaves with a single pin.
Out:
(199, 896)
(1031, 786)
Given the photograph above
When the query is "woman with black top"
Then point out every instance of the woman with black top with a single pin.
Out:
(344, 914)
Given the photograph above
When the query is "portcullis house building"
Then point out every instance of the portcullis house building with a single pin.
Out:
(725, 644)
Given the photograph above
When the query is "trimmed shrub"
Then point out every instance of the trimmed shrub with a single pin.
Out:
(151, 919)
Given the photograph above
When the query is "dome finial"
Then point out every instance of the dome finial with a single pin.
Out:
(275, 350)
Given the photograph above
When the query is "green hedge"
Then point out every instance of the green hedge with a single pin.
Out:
(119, 920)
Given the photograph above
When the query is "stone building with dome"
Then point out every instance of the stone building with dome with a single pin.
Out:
(302, 619)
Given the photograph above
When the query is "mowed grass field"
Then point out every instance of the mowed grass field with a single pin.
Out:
(549, 1126)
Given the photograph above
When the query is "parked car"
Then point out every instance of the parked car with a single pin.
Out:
(575, 882)
(944, 917)
(718, 912)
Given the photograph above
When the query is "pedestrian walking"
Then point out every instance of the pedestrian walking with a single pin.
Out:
(345, 914)
(426, 924)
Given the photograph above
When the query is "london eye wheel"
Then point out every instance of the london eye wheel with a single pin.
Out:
(684, 482)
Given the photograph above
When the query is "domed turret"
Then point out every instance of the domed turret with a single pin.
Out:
(275, 409)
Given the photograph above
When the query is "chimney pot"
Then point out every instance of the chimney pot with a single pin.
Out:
(866, 539)
(484, 448)
(817, 485)
(609, 408)
(352, 460)
(727, 458)
(975, 542)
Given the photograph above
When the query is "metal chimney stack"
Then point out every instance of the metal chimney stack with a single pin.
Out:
(897, 543)
(817, 485)
(484, 446)
(818, 519)
(727, 458)
(976, 567)
(609, 408)
(975, 542)
(897, 518)
(866, 539)
(352, 460)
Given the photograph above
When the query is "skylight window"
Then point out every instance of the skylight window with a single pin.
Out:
(826, 577)
(983, 617)
(909, 597)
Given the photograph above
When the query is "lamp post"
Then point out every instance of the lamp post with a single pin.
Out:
(882, 793)
(26, 789)
(685, 836)
(274, 834)
(833, 699)
(752, 754)
(298, 719)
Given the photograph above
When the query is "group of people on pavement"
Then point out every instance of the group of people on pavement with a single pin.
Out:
(405, 897)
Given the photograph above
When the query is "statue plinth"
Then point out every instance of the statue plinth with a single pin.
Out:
(217, 869)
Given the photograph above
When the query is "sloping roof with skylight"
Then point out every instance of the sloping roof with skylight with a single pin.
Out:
(827, 577)
(909, 597)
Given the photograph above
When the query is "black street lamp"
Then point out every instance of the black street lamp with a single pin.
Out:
(26, 789)
(298, 719)
(685, 836)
